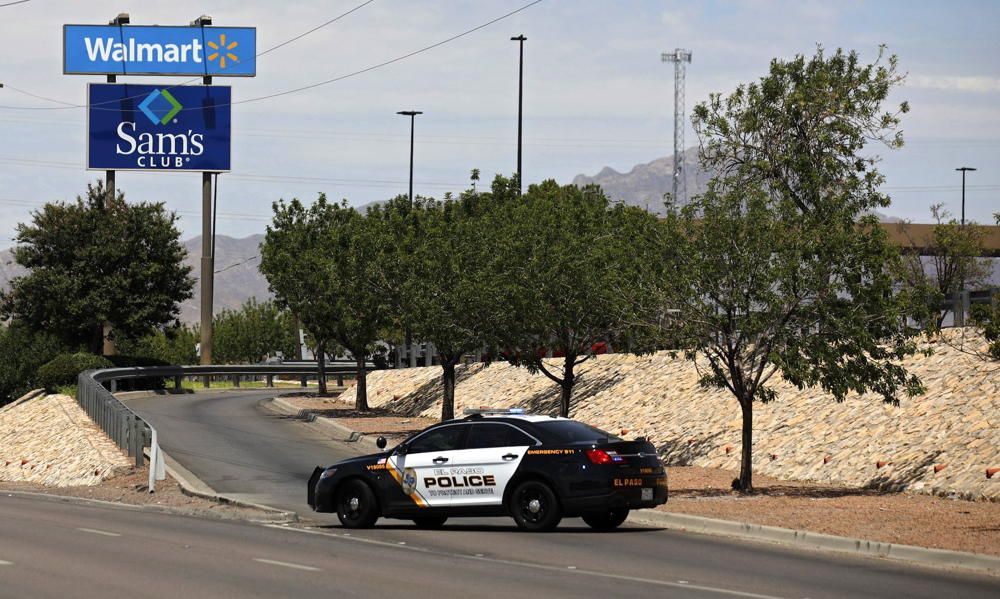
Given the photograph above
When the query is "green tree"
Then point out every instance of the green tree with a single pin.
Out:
(250, 334)
(954, 264)
(450, 283)
(575, 275)
(320, 263)
(94, 261)
(22, 352)
(173, 345)
(780, 267)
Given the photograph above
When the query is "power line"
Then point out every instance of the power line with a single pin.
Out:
(240, 263)
(314, 29)
(319, 83)
(13, 3)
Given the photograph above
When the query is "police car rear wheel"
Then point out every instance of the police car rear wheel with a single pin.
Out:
(534, 507)
(430, 521)
(608, 520)
(356, 505)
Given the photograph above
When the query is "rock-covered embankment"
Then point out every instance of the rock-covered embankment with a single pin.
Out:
(942, 442)
(51, 440)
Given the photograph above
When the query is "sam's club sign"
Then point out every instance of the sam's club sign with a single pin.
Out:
(158, 127)
(155, 50)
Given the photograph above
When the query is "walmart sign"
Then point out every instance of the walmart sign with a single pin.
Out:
(150, 127)
(154, 50)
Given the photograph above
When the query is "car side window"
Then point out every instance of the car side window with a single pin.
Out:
(485, 434)
(446, 438)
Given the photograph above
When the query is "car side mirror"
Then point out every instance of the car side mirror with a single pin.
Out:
(380, 442)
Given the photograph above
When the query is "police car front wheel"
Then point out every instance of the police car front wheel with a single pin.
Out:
(534, 507)
(356, 505)
(608, 520)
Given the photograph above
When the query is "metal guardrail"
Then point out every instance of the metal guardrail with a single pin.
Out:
(129, 431)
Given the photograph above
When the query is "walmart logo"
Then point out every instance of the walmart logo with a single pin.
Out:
(222, 51)
(160, 107)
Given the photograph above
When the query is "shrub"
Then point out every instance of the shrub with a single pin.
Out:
(64, 369)
(22, 352)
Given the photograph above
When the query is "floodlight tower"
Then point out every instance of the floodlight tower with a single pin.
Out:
(678, 57)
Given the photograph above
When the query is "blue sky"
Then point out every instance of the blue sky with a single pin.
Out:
(596, 94)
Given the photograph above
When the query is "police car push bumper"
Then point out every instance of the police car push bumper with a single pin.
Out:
(533, 468)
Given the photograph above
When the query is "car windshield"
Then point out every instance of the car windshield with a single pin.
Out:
(571, 431)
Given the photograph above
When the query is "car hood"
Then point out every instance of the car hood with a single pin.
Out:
(364, 459)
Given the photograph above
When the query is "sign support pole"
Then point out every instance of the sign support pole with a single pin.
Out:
(207, 266)
(110, 189)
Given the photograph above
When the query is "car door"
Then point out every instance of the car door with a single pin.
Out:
(422, 471)
(480, 472)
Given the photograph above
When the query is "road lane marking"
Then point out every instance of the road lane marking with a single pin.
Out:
(285, 564)
(94, 531)
(5, 563)
(533, 566)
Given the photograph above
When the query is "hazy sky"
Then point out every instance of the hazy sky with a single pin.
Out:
(596, 94)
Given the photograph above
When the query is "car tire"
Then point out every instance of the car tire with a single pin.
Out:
(608, 520)
(356, 505)
(534, 506)
(430, 521)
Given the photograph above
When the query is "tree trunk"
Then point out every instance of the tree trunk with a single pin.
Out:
(321, 357)
(745, 483)
(361, 393)
(566, 386)
(97, 340)
(448, 404)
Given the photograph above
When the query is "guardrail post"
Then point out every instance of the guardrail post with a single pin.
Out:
(304, 380)
(178, 383)
(206, 381)
(114, 385)
(137, 440)
(270, 380)
(236, 381)
(340, 379)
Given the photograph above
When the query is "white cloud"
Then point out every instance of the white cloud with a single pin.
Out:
(979, 84)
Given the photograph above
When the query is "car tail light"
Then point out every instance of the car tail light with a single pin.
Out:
(599, 456)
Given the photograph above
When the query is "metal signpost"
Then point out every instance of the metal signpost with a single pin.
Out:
(160, 127)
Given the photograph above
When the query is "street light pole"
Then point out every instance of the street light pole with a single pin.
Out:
(409, 335)
(964, 170)
(412, 114)
(520, 104)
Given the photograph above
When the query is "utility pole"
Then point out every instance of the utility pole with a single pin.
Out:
(110, 189)
(678, 57)
(409, 334)
(207, 248)
(964, 170)
(520, 105)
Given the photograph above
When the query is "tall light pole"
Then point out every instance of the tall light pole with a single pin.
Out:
(520, 104)
(409, 335)
(412, 114)
(964, 170)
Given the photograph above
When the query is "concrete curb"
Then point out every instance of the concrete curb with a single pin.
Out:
(134, 507)
(941, 558)
(327, 425)
(193, 486)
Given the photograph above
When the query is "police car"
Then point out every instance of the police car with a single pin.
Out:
(536, 469)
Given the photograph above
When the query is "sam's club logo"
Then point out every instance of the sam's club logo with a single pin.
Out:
(160, 107)
(171, 149)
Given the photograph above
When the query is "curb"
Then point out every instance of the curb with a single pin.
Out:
(327, 425)
(133, 507)
(193, 486)
(941, 558)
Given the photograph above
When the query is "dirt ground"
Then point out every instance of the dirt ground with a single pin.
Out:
(132, 489)
(905, 518)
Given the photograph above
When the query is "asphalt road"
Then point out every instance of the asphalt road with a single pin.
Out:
(238, 447)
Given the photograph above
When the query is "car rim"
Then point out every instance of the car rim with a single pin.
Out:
(352, 508)
(533, 506)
